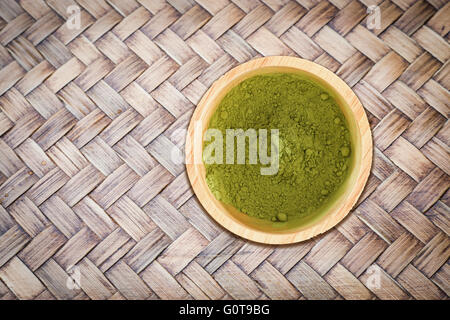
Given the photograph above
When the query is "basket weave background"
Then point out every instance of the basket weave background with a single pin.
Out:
(89, 118)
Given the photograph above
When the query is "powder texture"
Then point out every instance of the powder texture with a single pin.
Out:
(314, 143)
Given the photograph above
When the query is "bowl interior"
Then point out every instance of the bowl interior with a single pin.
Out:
(291, 231)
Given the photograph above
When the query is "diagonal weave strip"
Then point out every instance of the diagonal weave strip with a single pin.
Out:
(89, 116)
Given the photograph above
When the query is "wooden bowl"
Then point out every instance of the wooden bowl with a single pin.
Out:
(261, 230)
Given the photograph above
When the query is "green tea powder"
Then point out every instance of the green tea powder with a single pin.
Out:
(314, 147)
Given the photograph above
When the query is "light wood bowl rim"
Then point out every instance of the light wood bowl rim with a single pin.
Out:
(212, 205)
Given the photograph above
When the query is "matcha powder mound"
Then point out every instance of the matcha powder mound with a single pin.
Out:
(314, 147)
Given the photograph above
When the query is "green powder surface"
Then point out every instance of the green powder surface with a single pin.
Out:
(314, 147)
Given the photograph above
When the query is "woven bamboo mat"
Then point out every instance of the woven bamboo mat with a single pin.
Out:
(93, 207)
